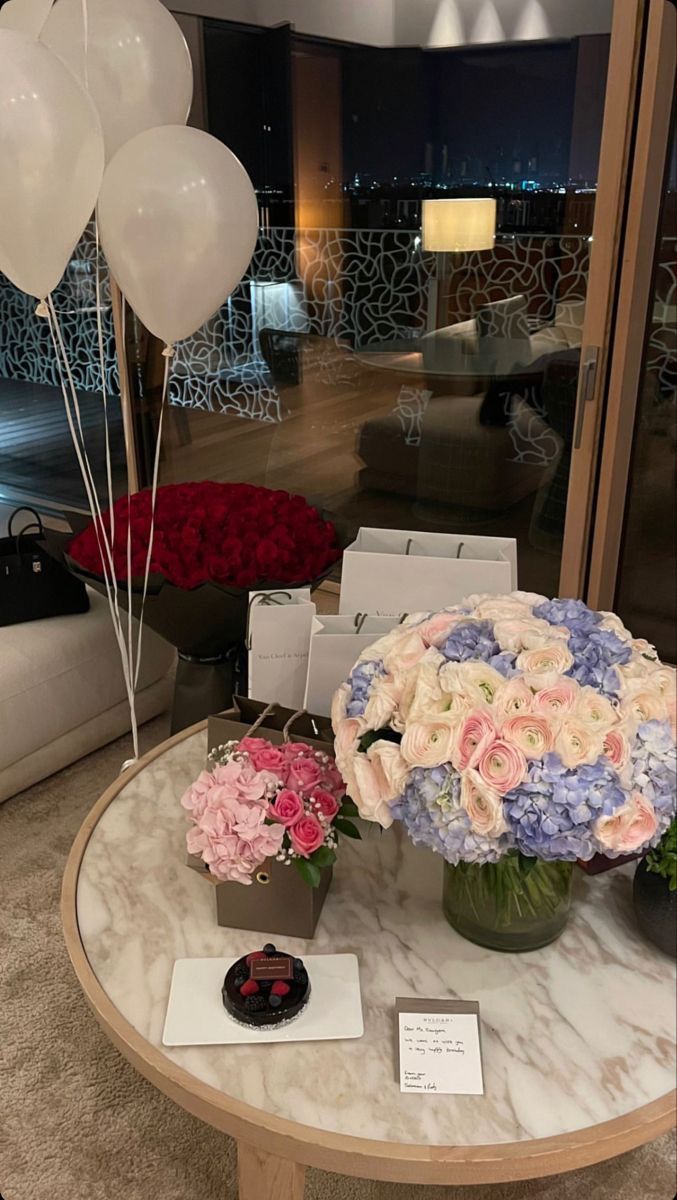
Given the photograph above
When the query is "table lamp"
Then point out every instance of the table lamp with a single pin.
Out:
(455, 226)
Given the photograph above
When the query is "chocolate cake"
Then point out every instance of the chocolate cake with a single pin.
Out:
(266, 987)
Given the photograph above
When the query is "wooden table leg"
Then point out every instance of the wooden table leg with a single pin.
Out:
(265, 1177)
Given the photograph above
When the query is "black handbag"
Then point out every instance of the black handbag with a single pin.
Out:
(34, 584)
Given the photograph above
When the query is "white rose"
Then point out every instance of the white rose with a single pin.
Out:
(554, 657)
(577, 743)
(502, 608)
(523, 634)
(482, 804)
(381, 704)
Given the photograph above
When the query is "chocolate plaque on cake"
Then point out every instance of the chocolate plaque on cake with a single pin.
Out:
(266, 988)
(271, 967)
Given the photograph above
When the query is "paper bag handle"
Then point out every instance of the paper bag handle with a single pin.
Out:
(458, 552)
(264, 598)
(267, 712)
(302, 712)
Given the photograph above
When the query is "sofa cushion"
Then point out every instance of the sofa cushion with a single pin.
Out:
(57, 674)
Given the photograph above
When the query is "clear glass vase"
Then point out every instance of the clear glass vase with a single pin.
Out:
(515, 904)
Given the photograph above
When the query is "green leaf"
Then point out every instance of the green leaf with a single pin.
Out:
(309, 873)
(349, 808)
(324, 857)
(347, 828)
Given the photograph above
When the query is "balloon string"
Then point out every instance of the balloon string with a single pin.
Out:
(65, 373)
(85, 44)
(153, 498)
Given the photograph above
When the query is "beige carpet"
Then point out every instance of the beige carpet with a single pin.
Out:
(78, 1123)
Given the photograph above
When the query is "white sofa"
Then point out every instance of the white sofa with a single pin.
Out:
(62, 692)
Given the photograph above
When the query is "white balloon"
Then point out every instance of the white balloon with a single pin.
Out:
(28, 16)
(51, 156)
(139, 71)
(178, 220)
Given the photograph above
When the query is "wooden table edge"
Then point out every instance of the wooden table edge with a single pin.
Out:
(343, 1153)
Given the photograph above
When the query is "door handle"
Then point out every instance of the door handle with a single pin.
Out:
(586, 390)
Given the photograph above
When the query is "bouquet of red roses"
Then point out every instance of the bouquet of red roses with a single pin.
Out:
(213, 544)
(227, 533)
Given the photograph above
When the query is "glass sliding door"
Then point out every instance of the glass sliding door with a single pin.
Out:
(392, 382)
(633, 564)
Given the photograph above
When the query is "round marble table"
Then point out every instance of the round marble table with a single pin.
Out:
(578, 1038)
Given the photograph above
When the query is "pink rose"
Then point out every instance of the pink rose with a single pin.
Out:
(307, 835)
(629, 828)
(388, 759)
(326, 804)
(292, 750)
(287, 807)
(270, 758)
(428, 742)
(502, 766)
(371, 791)
(251, 745)
(303, 774)
(472, 737)
(482, 804)
(533, 734)
(617, 749)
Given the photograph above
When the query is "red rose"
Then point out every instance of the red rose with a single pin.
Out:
(307, 835)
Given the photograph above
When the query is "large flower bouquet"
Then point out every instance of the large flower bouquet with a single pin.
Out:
(226, 533)
(258, 801)
(213, 544)
(512, 729)
(512, 723)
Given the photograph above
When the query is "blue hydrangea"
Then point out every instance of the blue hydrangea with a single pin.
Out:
(471, 641)
(361, 679)
(430, 809)
(654, 770)
(596, 653)
(573, 613)
(552, 813)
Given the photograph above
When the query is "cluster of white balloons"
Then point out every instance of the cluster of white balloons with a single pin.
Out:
(94, 99)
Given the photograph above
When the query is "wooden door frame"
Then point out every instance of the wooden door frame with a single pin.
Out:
(625, 56)
(635, 297)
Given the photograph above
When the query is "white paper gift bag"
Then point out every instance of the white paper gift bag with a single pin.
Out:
(390, 571)
(335, 645)
(278, 640)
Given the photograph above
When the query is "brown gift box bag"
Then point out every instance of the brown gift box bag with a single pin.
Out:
(278, 901)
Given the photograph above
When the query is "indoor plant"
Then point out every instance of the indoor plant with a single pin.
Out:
(514, 735)
(654, 892)
(269, 815)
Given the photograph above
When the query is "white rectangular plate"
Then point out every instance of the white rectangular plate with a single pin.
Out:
(196, 1016)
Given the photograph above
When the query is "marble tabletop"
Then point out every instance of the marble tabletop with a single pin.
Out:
(575, 1034)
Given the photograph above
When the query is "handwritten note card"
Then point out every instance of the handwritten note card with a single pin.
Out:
(439, 1047)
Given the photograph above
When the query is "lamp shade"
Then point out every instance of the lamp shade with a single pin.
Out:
(459, 224)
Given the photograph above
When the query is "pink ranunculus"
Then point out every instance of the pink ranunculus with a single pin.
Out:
(428, 742)
(472, 736)
(533, 734)
(576, 743)
(287, 807)
(555, 656)
(306, 836)
(437, 628)
(513, 698)
(617, 748)
(303, 774)
(482, 804)
(629, 828)
(270, 758)
(347, 733)
(388, 759)
(502, 766)
(557, 698)
(326, 803)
